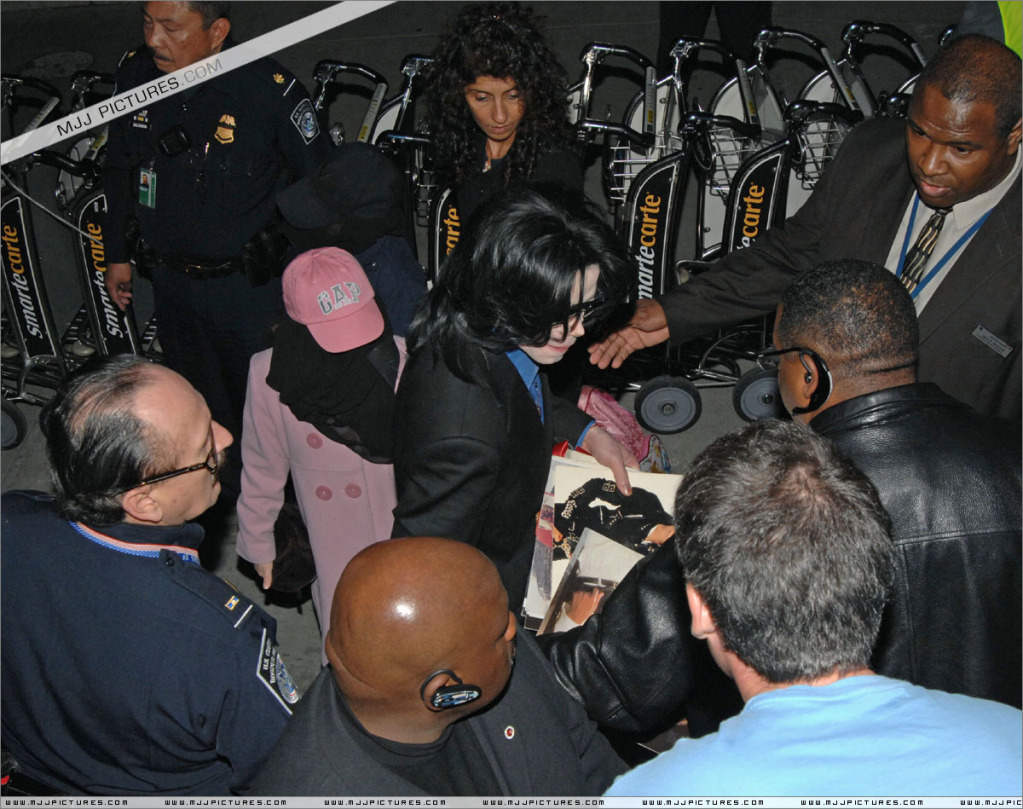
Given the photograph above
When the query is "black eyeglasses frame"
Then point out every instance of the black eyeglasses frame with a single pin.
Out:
(211, 464)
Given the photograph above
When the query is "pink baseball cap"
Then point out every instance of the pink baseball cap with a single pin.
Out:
(327, 290)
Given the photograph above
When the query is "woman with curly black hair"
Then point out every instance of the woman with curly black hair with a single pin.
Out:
(498, 106)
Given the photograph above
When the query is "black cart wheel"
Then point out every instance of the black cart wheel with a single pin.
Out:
(668, 404)
(756, 396)
(14, 425)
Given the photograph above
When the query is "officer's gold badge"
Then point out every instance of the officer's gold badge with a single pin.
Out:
(225, 130)
(278, 78)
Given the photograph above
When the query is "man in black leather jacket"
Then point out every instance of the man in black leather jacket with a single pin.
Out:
(949, 477)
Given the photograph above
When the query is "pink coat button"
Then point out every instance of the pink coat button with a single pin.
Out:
(353, 490)
(315, 441)
(324, 492)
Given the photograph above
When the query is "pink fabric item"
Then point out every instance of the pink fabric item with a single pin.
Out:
(623, 427)
(327, 290)
(346, 501)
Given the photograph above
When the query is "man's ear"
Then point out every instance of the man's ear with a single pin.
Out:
(702, 625)
(430, 686)
(1014, 136)
(139, 505)
(810, 380)
(220, 28)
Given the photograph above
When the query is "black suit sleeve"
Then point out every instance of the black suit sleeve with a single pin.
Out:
(749, 282)
(567, 420)
(117, 170)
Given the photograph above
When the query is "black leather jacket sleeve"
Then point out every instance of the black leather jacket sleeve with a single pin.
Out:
(635, 666)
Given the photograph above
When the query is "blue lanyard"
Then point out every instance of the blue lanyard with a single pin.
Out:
(945, 258)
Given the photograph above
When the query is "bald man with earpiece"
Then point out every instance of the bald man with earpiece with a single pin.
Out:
(431, 691)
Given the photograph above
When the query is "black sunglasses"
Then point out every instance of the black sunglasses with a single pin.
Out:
(211, 464)
(580, 310)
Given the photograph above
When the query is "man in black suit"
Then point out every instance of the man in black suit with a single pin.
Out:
(957, 152)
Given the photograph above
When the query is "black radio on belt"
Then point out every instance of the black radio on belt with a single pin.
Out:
(174, 141)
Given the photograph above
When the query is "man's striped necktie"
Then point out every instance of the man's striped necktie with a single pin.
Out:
(917, 257)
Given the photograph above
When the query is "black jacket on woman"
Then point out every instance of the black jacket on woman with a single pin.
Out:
(559, 167)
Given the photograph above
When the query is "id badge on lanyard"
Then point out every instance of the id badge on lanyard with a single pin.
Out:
(147, 187)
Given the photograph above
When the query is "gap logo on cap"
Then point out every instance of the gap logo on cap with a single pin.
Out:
(336, 297)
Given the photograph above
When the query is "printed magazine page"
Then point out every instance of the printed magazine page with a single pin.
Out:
(581, 494)
(597, 567)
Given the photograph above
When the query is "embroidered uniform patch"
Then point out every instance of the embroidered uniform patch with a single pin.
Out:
(272, 671)
(304, 119)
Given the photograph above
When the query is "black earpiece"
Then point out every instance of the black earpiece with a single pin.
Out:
(825, 383)
(450, 696)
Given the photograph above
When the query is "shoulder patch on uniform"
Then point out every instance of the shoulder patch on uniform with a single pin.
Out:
(218, 593)
(236, 606)
(270, 669)
(279, 78)
(304, 119)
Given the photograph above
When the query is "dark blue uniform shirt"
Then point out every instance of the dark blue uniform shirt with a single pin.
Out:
(127, 668)
(251, 131)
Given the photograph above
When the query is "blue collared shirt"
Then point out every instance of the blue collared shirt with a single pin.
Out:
(530, 373)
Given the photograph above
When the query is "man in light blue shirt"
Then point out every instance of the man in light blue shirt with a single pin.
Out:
(787, 556)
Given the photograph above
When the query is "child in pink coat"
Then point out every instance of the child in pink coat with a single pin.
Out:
(319, 406)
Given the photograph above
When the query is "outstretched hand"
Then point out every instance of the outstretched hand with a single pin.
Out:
(648, 327)
(608, 452)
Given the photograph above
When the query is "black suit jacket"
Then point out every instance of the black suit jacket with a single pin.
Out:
(471, 459)
(854, 212)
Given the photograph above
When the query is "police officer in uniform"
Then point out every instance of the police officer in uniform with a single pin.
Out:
(127, 668)
(197, 173)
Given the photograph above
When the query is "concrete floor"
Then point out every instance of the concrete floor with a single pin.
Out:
(53, 40)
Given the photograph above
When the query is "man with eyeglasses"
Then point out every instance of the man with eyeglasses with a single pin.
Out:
(126, 668)
(846, 349)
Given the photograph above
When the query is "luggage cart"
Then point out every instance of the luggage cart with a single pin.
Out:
(36, 355)
(749, 151)
(855, 34)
